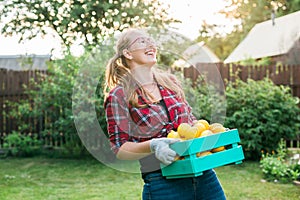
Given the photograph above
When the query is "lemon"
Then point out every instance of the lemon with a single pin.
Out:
(218, 149)
(217, 128)
(191, 133)
(205, 153)
(201, 127)
(204, 122)
(182, 129)
(173, 134)
(179, 158)
(206, 133)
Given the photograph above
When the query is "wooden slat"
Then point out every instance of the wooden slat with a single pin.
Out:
(2, 99)
(296, 74)
(233, 72)
(224, 71)
(244, 73)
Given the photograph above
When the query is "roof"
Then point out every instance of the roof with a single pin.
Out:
(197, 53)
(266, 39)
(24, 62)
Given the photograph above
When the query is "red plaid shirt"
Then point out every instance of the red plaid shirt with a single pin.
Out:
(128, 123)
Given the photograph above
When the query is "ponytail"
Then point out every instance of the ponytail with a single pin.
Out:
(115, 71)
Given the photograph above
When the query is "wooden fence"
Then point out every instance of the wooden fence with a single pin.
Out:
(288, 75)
(12, 89)
(12, 82)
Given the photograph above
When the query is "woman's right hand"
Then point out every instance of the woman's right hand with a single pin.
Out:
(160, 146)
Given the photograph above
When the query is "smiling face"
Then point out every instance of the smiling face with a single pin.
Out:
(141, 50)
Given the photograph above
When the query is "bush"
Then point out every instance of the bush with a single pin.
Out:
(263, 113)
(275, 167)
(22, 145)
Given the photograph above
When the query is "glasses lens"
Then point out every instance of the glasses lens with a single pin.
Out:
(142, 42)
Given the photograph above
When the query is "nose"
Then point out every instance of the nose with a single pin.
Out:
(151, 43)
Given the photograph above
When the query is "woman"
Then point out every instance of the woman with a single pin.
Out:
(143, 105)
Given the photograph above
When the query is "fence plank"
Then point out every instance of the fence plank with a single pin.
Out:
(2, 77)
(224, 71)
(244, 73)
(296, 74)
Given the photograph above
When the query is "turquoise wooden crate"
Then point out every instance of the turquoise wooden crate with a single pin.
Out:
(192, 166)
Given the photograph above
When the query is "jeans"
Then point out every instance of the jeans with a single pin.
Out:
(204, 187)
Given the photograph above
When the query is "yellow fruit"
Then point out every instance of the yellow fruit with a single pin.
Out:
(206, 133)
(173, 134)
(201, 127)
(204, 122)
(182, 129)
(179, 158)
(217, 128)
(218, 149)
(205, 153)
(190, 133)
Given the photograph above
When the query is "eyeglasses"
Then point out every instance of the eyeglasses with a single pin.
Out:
(142, 42)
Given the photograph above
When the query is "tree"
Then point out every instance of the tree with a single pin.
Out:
(88, 20)
(289, 7)
(221, 45)
(249, 12)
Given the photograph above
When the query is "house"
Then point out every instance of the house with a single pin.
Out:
(195, 54)
(24, 62)
(277, 39)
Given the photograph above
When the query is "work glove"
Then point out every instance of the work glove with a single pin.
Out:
(160, 146)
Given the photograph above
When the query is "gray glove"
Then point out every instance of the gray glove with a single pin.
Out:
(160, 146)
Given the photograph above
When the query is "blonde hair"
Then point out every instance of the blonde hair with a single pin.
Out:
(118, 73)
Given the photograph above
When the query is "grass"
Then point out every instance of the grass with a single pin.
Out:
(245, 182)
(64, 179)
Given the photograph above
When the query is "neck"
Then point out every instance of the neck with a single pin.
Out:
(143, 75)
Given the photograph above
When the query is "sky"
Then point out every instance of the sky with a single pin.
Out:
(190, 12)
(193, 12)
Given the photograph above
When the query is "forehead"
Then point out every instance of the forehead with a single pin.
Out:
(136, 34)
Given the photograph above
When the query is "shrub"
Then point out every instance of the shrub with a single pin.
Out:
(21, 145)
(275, 167)
(263, 112)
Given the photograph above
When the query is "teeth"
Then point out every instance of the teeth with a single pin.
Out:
(149, 53)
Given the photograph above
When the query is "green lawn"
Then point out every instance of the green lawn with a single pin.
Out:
(47, 179)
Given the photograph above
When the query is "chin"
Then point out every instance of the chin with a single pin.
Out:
(153, 62)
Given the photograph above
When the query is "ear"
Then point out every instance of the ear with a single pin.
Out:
(127, 54)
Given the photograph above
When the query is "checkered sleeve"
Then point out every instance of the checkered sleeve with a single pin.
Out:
(117, 117)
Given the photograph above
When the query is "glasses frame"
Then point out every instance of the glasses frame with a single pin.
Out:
(148, 40)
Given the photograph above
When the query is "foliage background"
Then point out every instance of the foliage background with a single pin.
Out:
(86, 22)
(263, 112)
